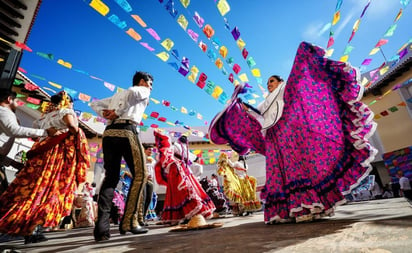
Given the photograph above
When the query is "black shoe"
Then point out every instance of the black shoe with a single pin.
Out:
(35, 238)
(135, 230)
(101, 238)
(143, 224)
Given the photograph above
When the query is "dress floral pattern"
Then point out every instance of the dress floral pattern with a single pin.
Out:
(239, 190)
(43, 191)
(318, 150)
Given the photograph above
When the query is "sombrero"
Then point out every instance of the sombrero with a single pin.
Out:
(197, 222)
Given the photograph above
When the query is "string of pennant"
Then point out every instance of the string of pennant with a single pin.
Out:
(389, 33)
(398, 86)
(87, 98)
(206, 156)
(391, 109)
(207, 30)
(385, 66)
(224, 8)
(36, 104)
(349, 48)
(215, 91)
(335, 20)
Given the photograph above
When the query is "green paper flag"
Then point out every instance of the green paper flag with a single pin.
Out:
(47, 56)
(393, 109)
(390, 31)
(348, 49)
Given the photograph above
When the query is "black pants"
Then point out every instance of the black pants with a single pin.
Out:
(121, 141)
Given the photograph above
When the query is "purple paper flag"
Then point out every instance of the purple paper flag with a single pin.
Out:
(403, 53)
(198, 20)
(236, 33)
(185, 62)
(364, 9)
(366, 62)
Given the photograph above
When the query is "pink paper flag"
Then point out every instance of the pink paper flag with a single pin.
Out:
(381, 42)
(330, 42)
(153, 33)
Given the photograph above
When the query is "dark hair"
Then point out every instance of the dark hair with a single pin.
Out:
(277, 78)
(146, 146)
(139, 75)
(5, 93)
(55, 99)
(183, 139)
(214, 175)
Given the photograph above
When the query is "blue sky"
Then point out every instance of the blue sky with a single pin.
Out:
(272, 31)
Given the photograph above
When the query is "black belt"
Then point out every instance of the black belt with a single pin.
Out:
(124, 121)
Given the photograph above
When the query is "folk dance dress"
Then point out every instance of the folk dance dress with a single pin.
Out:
(43, 191)
(185, 197)
(239, 190)
(316, 148)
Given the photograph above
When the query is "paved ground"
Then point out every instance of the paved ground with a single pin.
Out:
(377, 226)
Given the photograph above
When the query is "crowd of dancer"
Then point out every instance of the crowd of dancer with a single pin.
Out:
(314, 137)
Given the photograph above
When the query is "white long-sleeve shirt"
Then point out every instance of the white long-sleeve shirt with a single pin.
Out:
(10, 129)
(128, 104)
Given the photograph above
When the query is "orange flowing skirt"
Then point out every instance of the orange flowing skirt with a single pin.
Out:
(43, 191)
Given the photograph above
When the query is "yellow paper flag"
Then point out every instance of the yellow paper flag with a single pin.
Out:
(364, 81)
(251, 101)
(356, 25)
(336, 18)
(163, 56)
(383, 70)
(168, 44)
(223, 51)
(374, 51)
(58, 86)
(182, 21)
(217, 91)
(344, 58)
(155, 101)
(194, 71)
(144, 116)
(223, 7)
(185, 3)
(255, 72)
(100, 7)
(132, 33)
(243, 78)
(329, 52)
(240, 43)
(65, 64)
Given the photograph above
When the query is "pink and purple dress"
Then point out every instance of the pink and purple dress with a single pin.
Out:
(318, 151)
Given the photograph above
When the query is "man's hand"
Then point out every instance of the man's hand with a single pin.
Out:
(109, 114)
(51, 131)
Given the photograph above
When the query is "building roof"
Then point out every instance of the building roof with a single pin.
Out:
(377, 78)
(16, 21)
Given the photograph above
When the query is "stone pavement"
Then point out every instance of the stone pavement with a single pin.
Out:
(377, 226)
